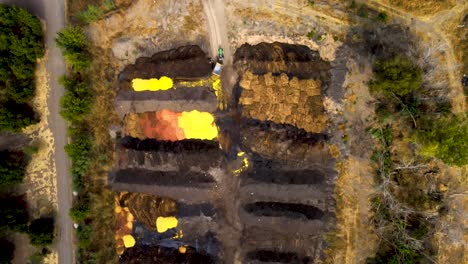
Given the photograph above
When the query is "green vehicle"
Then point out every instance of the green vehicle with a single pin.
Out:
(220, 54)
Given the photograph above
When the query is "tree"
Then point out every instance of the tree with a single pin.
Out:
(14, 116)
(14, 214)
(21, 43)
(12, 165)
(41, 231)
(8, 249)
(397, 75)
(446, 138)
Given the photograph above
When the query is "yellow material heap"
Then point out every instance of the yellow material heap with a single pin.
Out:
(165, 223)
(162, 84)
(199, 125)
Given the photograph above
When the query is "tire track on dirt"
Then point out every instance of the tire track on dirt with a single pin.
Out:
(432, 29)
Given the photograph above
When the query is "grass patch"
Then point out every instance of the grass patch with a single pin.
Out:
(93, 10)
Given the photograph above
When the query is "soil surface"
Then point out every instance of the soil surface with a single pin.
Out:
(186, 62)
(267, 197)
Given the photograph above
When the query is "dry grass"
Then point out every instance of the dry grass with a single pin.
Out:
(102, 247)
(460, 40)
(353, 239)
(422, 7)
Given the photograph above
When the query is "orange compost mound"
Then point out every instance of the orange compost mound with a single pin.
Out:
(162, 125)
(174, 126)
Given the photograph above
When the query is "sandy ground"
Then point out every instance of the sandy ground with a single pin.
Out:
(40, 184)
(40, 173)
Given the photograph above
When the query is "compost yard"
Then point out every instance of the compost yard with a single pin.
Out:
(266, 195)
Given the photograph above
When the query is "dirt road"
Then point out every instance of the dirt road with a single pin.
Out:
(53, 13)
(434, 29)
(214, 11)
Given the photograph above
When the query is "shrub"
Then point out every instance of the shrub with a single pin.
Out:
(8, 249)
(74, 45)
(109, 5)
(311, 34)
(41, 231)
(12, 165)
(397, 75)
(90, 14)
(382, 16)
(79, 153)
(446, 138)
(83, 234)
(76, 102)
(72, 39)
(78, 61)
(80, 212)
(31, 149)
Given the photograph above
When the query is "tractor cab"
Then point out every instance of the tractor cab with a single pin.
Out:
(220, 54)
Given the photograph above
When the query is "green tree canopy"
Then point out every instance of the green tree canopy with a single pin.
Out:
(397, 75)
(446, 138)
(41, 231)
(14, 214)
(21, 43)
(14, 116)
(12, 166)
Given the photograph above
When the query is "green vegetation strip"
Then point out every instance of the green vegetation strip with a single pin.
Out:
(76, 106)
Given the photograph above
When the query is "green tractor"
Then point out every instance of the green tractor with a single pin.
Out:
(220, 54)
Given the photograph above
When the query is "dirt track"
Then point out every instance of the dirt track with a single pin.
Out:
(214, 11)
(434, 30)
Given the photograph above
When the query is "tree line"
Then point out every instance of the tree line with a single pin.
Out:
(21, 44)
